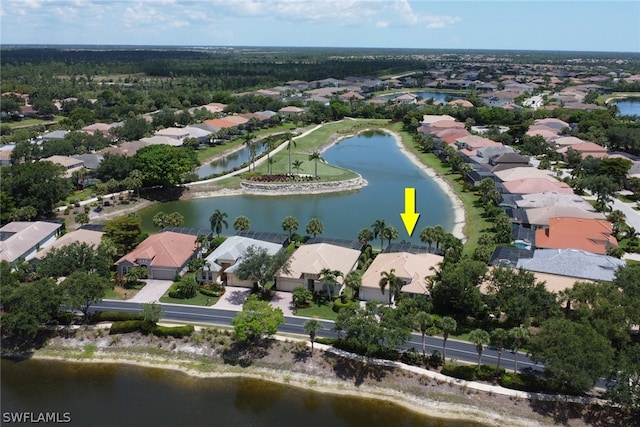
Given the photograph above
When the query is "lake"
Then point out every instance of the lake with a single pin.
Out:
(228, 162)
(629, 107)
(374, 155)
(109, 395)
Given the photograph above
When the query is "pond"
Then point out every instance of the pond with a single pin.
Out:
(228, 162)
(374, 155)
(629, 107)
(110, 394)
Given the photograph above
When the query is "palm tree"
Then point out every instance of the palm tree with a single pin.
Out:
(499, 337)
(353, 281)
(289, 137)
(290, 224)
(392, 281)
(480, 338)
(315, 156)
(519, 335)
(248, 140)
(330, 279)
(447, 326)
(423, 321)
(365, 236)
(312, 326)
(297, 164)
(241, 223)
(268, 144)
(428, 235)
(377, 227)
(315, 227)
(201, 240)
(217, 220)
(439, 234)
(390, 233)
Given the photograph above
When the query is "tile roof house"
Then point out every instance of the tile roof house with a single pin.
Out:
(517, 173)
(219, 123)
(164, 254)
(20, 240)
(552, 123)
(127, 149)
(547, 133)
(509, 160)
(577, 264)
(222, 263)
(536, 185)
(174, 133)
(71, 164)
(411, 268)
(468, 145)
(539, 217)
(290, 111)
(308, 261)
(586, 149)
(432, 118)
(592, 235)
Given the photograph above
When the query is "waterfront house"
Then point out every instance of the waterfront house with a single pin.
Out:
(307, 263)
(411, 268)
(165, 255)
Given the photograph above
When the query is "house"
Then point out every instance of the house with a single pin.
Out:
(592, 235)
(127, 149)
(539, 217)
(550, 122)
(5, 154)
(526, 172)
(178, 134)
(89, 161)
(222, 263)
(507, 160)
(573, 263)
(71, 164)
(104, 128)
(407, 98)
(412, 269)
(20, 240)
(552, 198)
(53, 135)
(536, 185)
(290, 111)
(162, 140)
(308, 261)
(585, 149)
(82, 235)
(165, 255)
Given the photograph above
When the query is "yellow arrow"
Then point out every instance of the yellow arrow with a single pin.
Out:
(409, 216)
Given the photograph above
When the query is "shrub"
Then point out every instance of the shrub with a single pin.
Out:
(326, 341)
(125, 327)
(302, 297)
(175, 331)
(339, 304)
(470, 372)
(211, 292)
(412, 357)
(114, 316)
(65, 317)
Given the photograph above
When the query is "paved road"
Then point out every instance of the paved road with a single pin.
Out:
(459, 350)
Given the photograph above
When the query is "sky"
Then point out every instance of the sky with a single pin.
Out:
(585, 25)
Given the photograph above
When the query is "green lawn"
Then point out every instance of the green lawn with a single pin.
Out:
(475, 224)
(323, 311)
(199, 299)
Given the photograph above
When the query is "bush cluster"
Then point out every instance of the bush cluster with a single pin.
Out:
(340, 303)
(471, 372)
(145, 327)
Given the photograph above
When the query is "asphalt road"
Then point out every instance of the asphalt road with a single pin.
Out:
(459, 350)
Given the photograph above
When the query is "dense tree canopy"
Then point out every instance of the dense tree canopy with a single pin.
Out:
(164, 165)
(256, 320)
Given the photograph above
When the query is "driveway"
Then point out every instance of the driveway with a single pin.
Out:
(233, 298)
(152, 291)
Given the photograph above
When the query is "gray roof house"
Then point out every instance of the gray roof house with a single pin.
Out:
(20, 240)
(573, 263)
(221, 264)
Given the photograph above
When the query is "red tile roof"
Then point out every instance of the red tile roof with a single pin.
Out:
(592, 235)
(167, 249)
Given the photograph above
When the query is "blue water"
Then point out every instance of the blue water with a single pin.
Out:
(375, 156)
(629, 107)
(439, 96)
(227, 163)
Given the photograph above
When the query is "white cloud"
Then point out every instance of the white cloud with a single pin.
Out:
(382, 24)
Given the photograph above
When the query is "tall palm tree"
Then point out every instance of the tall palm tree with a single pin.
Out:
(241, 223)
(447, 326)
(291, 141)
(480, 338)
(377, 227)
(315, 227)
(428, 235)
(519, 335)
(248, 140)
(423, 321)
(498, 338)
(312, 326)
(439, 234)
(315, 156)
(201, 241)
(390, 233)
(218, 220)
(297, 164)
(290, 224)
(365, 236)
(389, 279)
(268, 145)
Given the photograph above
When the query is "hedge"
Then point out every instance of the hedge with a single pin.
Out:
(339, 305)
(471, 372)
(210, 292)
(145, 327)
(114, 316)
